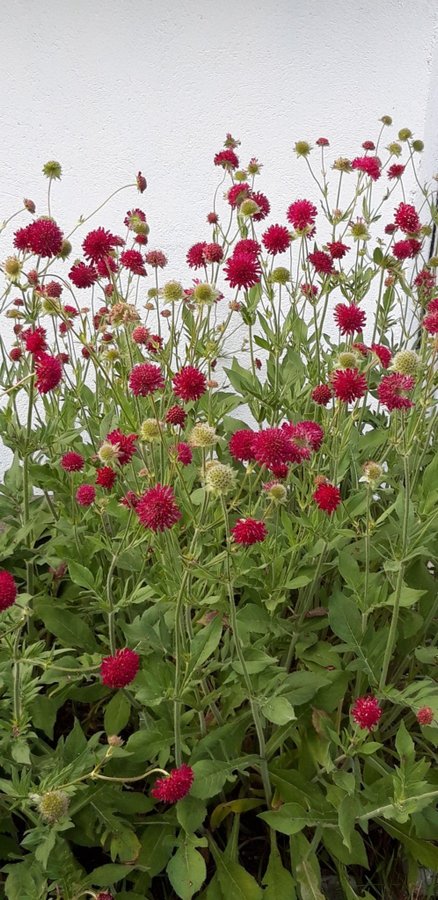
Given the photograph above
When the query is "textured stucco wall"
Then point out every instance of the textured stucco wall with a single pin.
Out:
(110, 87)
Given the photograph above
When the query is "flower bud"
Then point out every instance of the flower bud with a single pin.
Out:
(372, 473)
(65, 250)
(205, 294)
(276, 491)
(342, 164)
(13, 267)
(404, 134)
(254, 167)
(29, 205)
(418, 146)
(359, 231)
(387, 120)
(114, 740)
(141, 183)
(108, 453)
(394, 148)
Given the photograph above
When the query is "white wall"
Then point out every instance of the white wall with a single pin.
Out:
(109, 87)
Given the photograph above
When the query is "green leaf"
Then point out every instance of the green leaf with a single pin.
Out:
(292, 818)
(125, 844)
(333, 842)
(25, 880)
(80, 575)
(278, 881)
(425, 852)
(306, 868)
(157, 843)
(190, 812)
(235, 882)
(186, 870)
(404, 744)
(204, 643)
(347, 812)
(278, 710)
(117, 713)
(210, 777)
(69, 628)
(106, 876)
(222, 810)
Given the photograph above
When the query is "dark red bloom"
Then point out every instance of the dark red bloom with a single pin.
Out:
(195, 255)
(53, 289)
(322, 394)
(133, 260)
(238, 193)
(8, 590)
(348, 384)
(369, 145)
(242, 270)
(105, 266)
(48, 371)
(82, 276)
(406, 217)
(327, 497)
(15, 354)
(21, 239)
(156, 258)
(184, 453)
(264, 204)
(104, 895)
(140, 334)
(425, 282)
(349, 318)
(145, 379)
(35, 339)
(247, 245)
(44, 237)
(227, 159)
(276, 239)
(124, 443)
(383, 353)
(272, 447)
(157, 508)
(366, 712)
(141, 183)
(406, 249)
(176, 415)
(240, 445)
(321, 261)
(105, 477)
(249, 531)
(393, 389)
(154, 343)
(175, 786)
(430, 322)
(213, 253)
(70, 311)
(301, 214)
(119, 670)
(72, 462)
(98, 244)
(86, 494)
(322, 142)
(130, 500)
(280, 471)
(312, 431)
(370, 165)
(189, 384)
(390, 228)
(337, 249)
(309, 290)
(395, 171)
(212, 218)
(425, 715)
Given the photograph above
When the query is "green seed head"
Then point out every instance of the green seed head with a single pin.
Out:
(220, 479)
(52, 169)
(150, 431)
(53, 806)
(202, 435)
(172, 291)
(406, 362)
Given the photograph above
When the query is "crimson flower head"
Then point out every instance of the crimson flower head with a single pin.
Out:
(393, 389)
(249, 531)
(247, 245)
(184, 453)
(213, 253)
(86, 494)
(48, 371)
(238, 193)
(348, 384)
(227, 159)
(105, 266)
(156, 258)
(321, 261)
(322, 394)
(301, 214)
(240, 445)
(242, 270)
(43, 237)
(383, 353)
(276, 239)
(130, 500)
(175, 786)
(337, 249)
(370, 165)
(406, 249)
(157, 508)
(349, 318)
(263, 204)
(119, 670)
(369, 145)
(34, 339)
(322, 142)
(327, 497)
(366, 712)
(406, 217)
(395, 171)
(133, 260)
(195, 255)
(189, 384)
(125, 444)
(105, 477)
(430, 322)
(272, 448)
(176, 415)
(104, 895)
(98, 244)
(145, 379)
(8, 590)
(140, 334)
(425, 715)
(72, 461)
(82, 276)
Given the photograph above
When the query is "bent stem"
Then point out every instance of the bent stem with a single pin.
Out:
(253, 704)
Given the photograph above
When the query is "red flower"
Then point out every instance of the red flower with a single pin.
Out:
(35, 339)
(349, 318)
(189, 384)
(392, 390)
(276, 239)
(104, 895)
(98, 244)
(195, 255)
(156, 258)
(309, 290)
(70, 311)
(425, 282)
(322, 394)
(337, 249)
(243, 270)
(425, 715)
(322, 142)
(82, 276)
(240, 445)
(327, 497)
(133, 260)
(406, 217)
(280, 471)
(212, 218)
(72, 462)
(272, 447)
(395, 171)
(119, 670)
(15, 354)
(154, 343)
(213, 253)
(249, 531)
(184, 454)
(247, 245)
(301, 214)
(312, 431)
(105, 266)
(8, 590)
(176, 415)
(366, 712)
(141, 183)
(21, 238)
(157, 509)
(369, 145)
(406, 249)
(145, 379)
(53, 289)
(48, 371)
(44, 237)
(383, 353)
(105, 477)
(321, 261)
(125, 445)
(238, 193)
(430, 322)
(264, 204)
(86, 494)
(130, 500)
(348, 384)
(174, 786)
(227, 159)
(140, 334)
(370, 165)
